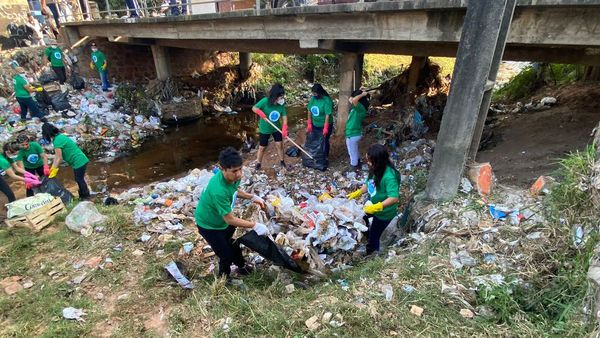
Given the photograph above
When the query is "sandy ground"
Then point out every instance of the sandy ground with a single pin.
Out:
(530, 144)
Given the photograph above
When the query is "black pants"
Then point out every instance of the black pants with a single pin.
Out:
(223, 245)
(6, 190)
(36, 171)
(84, 192)
(54, 10)
(376, 228)
(28, 104)
(61, 74)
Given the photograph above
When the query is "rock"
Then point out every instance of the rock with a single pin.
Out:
(11, 285)
(416, 310)
(138, 252)
(482, 177)
(542, 185)
(466, 313)
(326, 317)
(93, 262)
(312, 323)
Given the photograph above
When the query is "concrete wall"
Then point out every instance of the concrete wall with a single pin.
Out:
(134, 62)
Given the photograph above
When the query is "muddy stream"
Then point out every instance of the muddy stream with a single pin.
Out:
(181, 148)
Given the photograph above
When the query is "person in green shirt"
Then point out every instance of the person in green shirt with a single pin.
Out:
(56, 56)
(320, 115)
(67, 149)
(359, 101)
(23, 92)
(383, 185)
(271, 108)
(8, 168)
(99, 63)
(30, 157)
(214, 213)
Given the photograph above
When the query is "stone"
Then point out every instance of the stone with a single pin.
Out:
(312, 323)
(290, 288)
(466, 313)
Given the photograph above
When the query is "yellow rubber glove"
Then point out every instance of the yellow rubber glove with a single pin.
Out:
(354, 195)
(39, 89)
(53, 173)
(373, 208)
(103, 67)
(91, 65)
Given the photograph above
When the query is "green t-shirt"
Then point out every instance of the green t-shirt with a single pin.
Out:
(19, 83)
(388, 187)
(98, 59)
(319, 108)
(70, 151)
(32, 157)
(216, 201)
(4, 164)
(274, 112)
(56, 56)
(355, 119)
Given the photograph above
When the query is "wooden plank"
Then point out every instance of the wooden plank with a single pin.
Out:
(39, 218)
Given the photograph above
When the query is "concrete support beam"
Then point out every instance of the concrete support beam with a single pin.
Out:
(69, 35)
(245, 64)
(487, 96)
(161, 62)
(416, 65)
(358, 71)
(347, 65)
(592, 73)
(474, 59)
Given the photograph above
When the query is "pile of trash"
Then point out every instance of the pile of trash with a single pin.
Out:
(88, 116)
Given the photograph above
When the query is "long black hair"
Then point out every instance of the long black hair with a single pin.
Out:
(49, 131)
(11, 147)
(319, 90)
(363, 100)
(275, 92)
(380, 160)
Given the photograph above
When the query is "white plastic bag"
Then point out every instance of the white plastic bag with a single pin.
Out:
(84, 217)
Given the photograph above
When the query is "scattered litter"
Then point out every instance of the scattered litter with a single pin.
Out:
(466, 313)
(83, 217)
(312, 323)
(11, 285)
(73, 313)
(289, 288)
(138, 252)
(388, 292)
(416, 310)
(174, 271)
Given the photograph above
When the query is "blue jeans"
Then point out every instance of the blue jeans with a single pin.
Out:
(28, 104)
(104, 78)
(132, 8)
(175, 10)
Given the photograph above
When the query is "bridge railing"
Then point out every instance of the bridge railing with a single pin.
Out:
(138, 8)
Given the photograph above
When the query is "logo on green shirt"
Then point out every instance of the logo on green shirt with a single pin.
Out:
(33, 158)
(371, 188)
(57, 55)
(314, 110)
(274, 116)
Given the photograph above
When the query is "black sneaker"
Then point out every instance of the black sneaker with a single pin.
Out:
(257, 166)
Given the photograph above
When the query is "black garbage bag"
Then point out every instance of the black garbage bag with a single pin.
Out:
(55, 188)
(43, 100)
(47, 77)
(315, 146)
(265, 247)
(77, 81)
(60, 101)
(292, 151)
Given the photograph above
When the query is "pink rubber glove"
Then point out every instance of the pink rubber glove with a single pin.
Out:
(325, 129)
(28, 186)
(284, 131)
(46, 170)
(309, 126)
(261, 114)
(32, 181)
(30, 175)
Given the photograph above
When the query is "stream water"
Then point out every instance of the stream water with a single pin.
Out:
(180, 149)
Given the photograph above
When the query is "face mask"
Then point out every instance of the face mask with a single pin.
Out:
(54, 46)
(281, 101)
(94, 49)
(12, 157)
(23, 74)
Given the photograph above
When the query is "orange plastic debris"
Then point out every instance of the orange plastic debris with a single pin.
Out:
(168, 203)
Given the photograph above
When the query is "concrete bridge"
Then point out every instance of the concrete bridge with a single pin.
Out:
(479, 33)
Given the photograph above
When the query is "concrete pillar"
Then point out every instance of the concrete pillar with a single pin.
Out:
(161, 62)
(358, 71)
(69, 35)
(416, 65)
(592, 73)
(487, 96)
(245, 63)
(347, 65)
(473, 63)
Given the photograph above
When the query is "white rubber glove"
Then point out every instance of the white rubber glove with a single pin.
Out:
(261, 229)
(258, 200)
